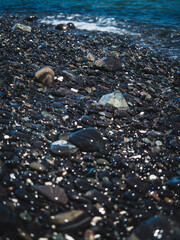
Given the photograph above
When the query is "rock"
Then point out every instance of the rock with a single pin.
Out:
(160, 227)
(109, 64)
(6, 114)
(87, 120)
(63, 27)
(82, 184)
(115, 99)
(137, 183)
(122, 114)
(71, 25)
(174, 142)
(68, 75)
(37, 166)
(97, 196)
(63, 147)
(31, 18)
(174, 183)
(91, 57)
(53, 193)
(21, 27)
(71, 220)
(45, 75)
(8, 219)
(88, 140)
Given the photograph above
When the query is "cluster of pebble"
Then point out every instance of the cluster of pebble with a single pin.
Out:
(89, 136)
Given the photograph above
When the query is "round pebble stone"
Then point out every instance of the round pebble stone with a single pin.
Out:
(45, 75)
(37, 166)
(87, 120)
(82, 184)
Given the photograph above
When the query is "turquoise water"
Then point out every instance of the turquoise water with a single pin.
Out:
(160, 12)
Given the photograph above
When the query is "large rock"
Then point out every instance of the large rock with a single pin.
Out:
(21, 27)
(45, 75)
(160, 227)
(109, 64)
(115, 99)
(88, 140)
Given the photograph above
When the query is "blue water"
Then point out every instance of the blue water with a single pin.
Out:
(160, 12)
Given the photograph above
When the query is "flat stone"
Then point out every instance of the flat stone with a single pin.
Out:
(71, 219)
(88, 140)
(21, 27)
(37, 166)
(63, 147)
(109, 64)
(160, 227)
(115, 99)
(53, 193)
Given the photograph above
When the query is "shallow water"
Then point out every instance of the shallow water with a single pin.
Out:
(161, 12)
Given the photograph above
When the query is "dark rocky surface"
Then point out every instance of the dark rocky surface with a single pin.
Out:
(71, 168)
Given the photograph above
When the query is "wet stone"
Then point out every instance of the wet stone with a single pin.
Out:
(97, 196)
(37, 166)
(87, 120)
(109, 64)
(8, 219)
(21, 27)
(63, 27)
(82, 184)
(53, 193)
(137, 184)
(174, 142)
(102, 161)
(45, 75)
(131, 195)
(71, 220)
(122, 114)
(6, 114)
(16, 135)
(71, 25)
(160, 227)
(115, 99)
(31, 18)
(91, 57)
(63, 147)
(174, 183)
(88, 140)
(3, 191)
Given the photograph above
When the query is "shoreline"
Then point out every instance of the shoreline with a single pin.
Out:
(163, 39)
(58, 182)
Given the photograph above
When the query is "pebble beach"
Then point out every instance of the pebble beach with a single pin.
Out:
(89, 135)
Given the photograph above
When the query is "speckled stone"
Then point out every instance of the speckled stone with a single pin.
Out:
(45, 75)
